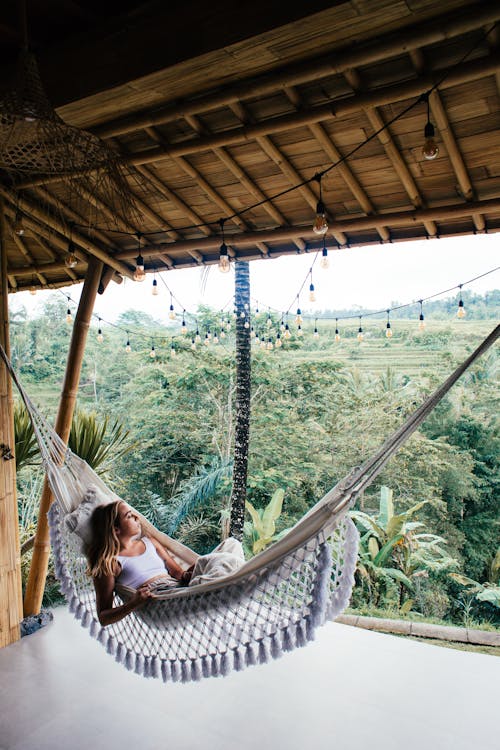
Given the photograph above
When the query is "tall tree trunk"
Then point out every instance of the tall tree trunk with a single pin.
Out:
(242, 427)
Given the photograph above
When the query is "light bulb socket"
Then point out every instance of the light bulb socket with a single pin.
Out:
(320, 208)
(139, 262)
(429, 130)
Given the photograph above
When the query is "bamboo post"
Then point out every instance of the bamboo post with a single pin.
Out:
(11, 603)
(41, 548)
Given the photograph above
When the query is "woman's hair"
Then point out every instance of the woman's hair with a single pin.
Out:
(102, 550)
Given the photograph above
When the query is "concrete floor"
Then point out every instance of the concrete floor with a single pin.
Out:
(350, 689)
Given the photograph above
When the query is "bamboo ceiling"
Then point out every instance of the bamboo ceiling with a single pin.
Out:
(237, 125)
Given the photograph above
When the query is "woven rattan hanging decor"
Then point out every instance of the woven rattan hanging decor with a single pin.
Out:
(36, 143)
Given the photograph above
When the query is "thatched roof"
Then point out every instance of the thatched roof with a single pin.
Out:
(214, 111)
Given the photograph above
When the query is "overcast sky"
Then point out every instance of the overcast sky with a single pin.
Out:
(375, 277)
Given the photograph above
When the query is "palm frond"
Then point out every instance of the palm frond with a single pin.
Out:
(198, 490)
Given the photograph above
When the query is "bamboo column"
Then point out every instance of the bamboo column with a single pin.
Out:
(41, 548)
(243, 393)
(11, 602)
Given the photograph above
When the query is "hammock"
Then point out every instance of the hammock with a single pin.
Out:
(272, 604)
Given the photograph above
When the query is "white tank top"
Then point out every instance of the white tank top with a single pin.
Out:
(138, 569)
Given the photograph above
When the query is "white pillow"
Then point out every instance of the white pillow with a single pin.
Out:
(78, 521)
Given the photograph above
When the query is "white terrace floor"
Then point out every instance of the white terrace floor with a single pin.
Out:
(350, 689)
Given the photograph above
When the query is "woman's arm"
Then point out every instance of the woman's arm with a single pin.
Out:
(107, 614)
(171, 565)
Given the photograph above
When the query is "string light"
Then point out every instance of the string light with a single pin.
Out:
(388, 329)
(278, 341)
(207, 339)
(172, 350)
(320, 225)
(224, 264)
(316, 334)
(461, 308)
(154, 290)
(197, 337)
(128, 348)
(312, 296)
(193, 345)
(430, 148)
(183, 325)
(360, 331)
(269, 320)
(152, 353)
(223, 333)
(252, 333)
(18, 224)
(325, 261)
(70, 259)
(269, 345)
(298, 317)
(246, 324)
(171, 313)
(139, 273)
(299, 330)
(69, 318)
(287, 333)
(421, 320)
(100, 337)
(337, 334)
(216, 338)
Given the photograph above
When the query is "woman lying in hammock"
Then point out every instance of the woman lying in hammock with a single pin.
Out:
(118, 553)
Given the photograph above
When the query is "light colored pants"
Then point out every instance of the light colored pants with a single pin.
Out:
(225, 559)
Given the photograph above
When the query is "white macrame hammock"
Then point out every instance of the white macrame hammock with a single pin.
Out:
(272, 604)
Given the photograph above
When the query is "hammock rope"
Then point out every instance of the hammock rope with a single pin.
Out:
(272, 604)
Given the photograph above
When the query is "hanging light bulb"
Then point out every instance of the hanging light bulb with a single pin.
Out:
(224, 264)
(360, 332)
(228, 325)
(461, 308)
(100, 337)
(278, 341)
(263, 344)
(299, 330)
(252, 333)
(152, 353)
(171, 311)
(183, 325)
(154, 290)
(430, 148)
(337, 336)
(197, 337)
(257, 311)
(70, 259)
(287, 333)
(325, 261)
(312, 296)
(172, 351)
(139, 273)
(223, 333)
(269, 345)
(298, 317)
(128, 348)
(388, 329)
(316, 334)
(32, 290)
(208, 334)
(18, 224)
(257, 338)
(69, 318)
(282, 325)
(269, 320)
(246, 324)
(421, 321)
(216, 338)
(193, 344)
(207, 340)
(320, 225)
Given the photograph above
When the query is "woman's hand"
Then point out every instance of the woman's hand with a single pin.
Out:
(142, 594)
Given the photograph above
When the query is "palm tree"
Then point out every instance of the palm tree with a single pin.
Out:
(242, 428)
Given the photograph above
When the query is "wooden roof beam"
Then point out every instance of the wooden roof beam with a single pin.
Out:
(31, 209)
(233, 166)
(284, 165)
(432, 31)
(465, 73)
(449, 140)
(350, 224)
(390, 148)
(334, 156)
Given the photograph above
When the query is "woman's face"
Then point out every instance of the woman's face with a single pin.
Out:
(128, 523)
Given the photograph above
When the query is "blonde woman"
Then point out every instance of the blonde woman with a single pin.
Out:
(119, 554)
